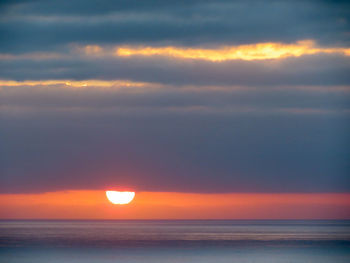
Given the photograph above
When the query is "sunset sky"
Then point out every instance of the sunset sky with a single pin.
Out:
(206, 109)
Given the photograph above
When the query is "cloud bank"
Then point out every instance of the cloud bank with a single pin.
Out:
(192, 96)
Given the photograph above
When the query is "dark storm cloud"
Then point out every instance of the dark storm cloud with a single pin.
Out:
(324, 70)
(48, 25)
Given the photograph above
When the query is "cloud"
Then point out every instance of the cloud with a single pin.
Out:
(39, 26)
(125, 97)
(259, 51)
(317, 70)
(171, 152)
(175, 96)
(173, 138)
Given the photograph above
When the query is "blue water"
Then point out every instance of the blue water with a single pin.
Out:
(175, 241)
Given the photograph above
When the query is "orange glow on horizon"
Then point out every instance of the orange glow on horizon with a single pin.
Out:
(93, 204)
(259, 51)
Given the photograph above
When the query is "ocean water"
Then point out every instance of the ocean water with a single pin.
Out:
(241, 241)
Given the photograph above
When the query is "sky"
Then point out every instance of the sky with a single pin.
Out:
(204, 98)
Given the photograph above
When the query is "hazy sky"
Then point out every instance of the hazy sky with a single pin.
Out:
(177, 96)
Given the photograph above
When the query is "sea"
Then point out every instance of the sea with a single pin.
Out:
(152, 241)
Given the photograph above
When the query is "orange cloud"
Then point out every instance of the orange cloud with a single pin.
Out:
(259, 51)
(93, 49)
(167, 205)
(72, 83)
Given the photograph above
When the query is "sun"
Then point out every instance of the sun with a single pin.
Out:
(120, 198)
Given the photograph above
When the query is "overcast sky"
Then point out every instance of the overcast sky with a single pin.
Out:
(208, 96)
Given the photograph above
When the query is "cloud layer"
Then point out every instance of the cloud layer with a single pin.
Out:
(204, 139)
(39, 25)
(192, 96)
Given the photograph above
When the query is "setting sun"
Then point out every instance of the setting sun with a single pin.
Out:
(228, 118)
(120, 198)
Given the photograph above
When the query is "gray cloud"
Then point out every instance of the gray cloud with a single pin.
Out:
(306, 70)
(159, 97)
(188, 152)
(175, 139)
(39, 25)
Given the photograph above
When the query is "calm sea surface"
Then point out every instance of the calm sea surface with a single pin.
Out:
(175, 241)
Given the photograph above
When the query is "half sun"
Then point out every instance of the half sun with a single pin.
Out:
(120, 198)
